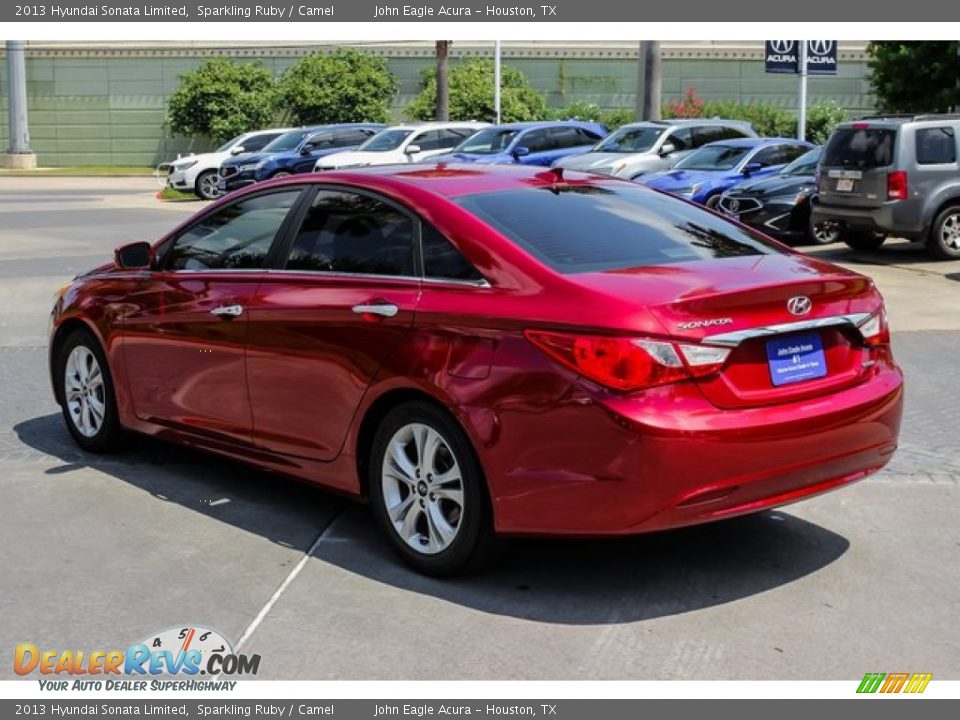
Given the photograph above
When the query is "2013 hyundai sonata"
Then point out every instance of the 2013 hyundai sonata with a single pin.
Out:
(487, 350)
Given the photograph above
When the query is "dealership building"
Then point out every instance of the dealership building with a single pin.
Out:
(104, 103)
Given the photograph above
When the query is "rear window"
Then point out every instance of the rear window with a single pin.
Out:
(860, 148)
(588, 228)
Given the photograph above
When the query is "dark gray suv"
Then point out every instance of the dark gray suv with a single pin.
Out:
(893, 176)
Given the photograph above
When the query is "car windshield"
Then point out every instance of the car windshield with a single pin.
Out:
(228, 144)
(488, 142)
(630, 140)
(385, 141)
(590, 228)
(806, 164)
(713, 157)
(286, 142)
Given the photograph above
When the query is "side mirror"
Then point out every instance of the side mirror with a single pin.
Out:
(134, 256)
(667, 148)
(751, 168)
(521, 152)
(412, 149)
(237, 149)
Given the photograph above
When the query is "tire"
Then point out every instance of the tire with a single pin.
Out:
(944, 240)
(205, 186)
(863, 241)
(712, 201)
(280, 174)
(821, 234)
(84, 385)
(437, 528)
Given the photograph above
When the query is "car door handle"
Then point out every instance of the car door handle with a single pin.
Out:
(382, 309)
(228, 310)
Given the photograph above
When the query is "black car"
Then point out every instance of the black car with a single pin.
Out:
(779, 205)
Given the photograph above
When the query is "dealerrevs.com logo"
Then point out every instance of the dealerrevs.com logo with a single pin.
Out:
(186, 652)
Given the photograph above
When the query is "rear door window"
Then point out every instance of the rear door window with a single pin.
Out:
(259, 142)
(588, 228)
(936, 146)
(860, 148)
(682, 138)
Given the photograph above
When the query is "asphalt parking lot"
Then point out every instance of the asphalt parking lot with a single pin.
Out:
(98, 551)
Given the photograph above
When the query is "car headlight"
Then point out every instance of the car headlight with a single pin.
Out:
(184, 166)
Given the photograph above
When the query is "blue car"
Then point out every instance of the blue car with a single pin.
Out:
(294, 152)
(526, 143)
(703, 175)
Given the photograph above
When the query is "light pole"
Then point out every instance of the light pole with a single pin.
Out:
(802, 119)
(496, 81)
(18, 155)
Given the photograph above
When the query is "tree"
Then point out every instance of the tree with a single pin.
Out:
(343, 86)
(918, 76)
(221, 99)
(443, 80)
(471, 94)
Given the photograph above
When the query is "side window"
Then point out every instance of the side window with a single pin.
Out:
(707, 134)
(732, 133)
(792, 152)
(319, 141)
(346, 138)
(536, 141)
(681, 138)
(257, 142)
(238, 236)
(564, 138)
(450, 138)
(428, 140)
(352, 233)
(587, 137)
(936, 146)
(443, 260)
(769, 156)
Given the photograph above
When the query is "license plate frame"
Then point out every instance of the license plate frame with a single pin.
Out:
(796, 358)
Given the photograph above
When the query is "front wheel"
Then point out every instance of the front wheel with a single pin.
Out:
(822, 234)
(944, 242)
(713, 201)
(207, 185)
(86, 394)
(428, 491)
(863, 241)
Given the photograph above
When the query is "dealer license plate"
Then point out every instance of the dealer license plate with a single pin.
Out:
(795, 358)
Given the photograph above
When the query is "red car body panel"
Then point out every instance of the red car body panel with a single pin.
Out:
(290, 384)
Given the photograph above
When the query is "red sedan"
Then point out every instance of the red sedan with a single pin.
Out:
(487, 350)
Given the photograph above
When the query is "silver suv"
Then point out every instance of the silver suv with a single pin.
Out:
(892, 176)
(651, 146)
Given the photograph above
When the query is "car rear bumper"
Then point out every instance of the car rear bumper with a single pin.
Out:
(669, 458)
(891, 218)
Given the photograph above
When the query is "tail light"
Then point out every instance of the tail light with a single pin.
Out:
(629, 363)
(897, 185)
(875, 330)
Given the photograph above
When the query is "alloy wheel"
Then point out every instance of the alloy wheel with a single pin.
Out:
(84, 391)
(210, 185)
(824, 234)
(950, 231)
(422, 488)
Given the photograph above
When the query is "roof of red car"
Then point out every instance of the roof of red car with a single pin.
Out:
(460, 179)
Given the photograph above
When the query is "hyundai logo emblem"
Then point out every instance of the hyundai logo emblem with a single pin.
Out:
(799, 305)
(820, 47)
(781, 46)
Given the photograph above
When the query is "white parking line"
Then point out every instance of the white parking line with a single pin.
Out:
(255, 623)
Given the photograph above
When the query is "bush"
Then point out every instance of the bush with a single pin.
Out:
(340, 87)
(689, 106)
(822, 118)
(582, 110)
(471, 94)
(221, 99)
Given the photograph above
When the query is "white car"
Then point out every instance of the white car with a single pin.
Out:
(199, 173)
(406, 143)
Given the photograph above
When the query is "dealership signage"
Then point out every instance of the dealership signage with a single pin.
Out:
(783, 56)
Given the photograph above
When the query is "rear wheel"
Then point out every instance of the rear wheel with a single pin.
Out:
(86, 392)
(207, 185)
(863, 241)
(944, 241)
(822, 234)
(428, 491)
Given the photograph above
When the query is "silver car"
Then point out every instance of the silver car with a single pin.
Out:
(893, 176)
(653, 145)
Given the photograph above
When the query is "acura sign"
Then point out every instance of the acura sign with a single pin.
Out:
(783, 56)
